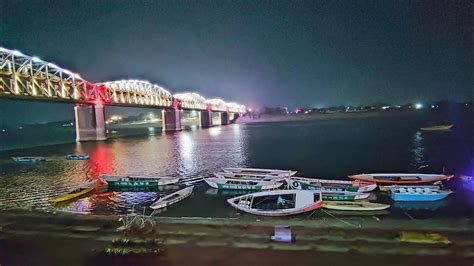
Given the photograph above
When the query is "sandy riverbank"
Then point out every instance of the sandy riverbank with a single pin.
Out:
(33, 236)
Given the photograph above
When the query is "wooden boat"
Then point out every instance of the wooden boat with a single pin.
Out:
(172, 198)
(28, 160)
(387, 188)
(401, 178)
(76, 157)
(249, 176)
(77, 192)
(324, 188)
(137, 181)
(354, 206)
(260, 171)
(278, 202)
(239, 184)
(344, 196)
(361, 186)
(418, 194)
(437, 128)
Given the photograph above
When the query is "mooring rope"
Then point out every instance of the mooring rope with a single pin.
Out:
(341, 220)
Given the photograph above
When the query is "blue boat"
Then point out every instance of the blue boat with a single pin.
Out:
(28, 160)
(418, 194)
(77, 157)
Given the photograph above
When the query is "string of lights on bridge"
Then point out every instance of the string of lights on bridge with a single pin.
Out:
(27, 77)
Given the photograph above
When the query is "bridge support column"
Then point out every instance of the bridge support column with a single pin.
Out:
(171, 120)
(90, 122)
(224, 118)
(206, 118)
(233, 117)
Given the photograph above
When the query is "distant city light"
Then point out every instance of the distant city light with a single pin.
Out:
(385, 107)
(432, 106)
(418, 105)
(250, 109)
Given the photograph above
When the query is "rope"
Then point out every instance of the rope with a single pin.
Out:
(341, 220)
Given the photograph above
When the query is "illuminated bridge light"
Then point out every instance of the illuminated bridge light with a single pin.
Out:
(191, 100)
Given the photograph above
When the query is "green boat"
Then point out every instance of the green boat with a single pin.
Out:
(137, 181)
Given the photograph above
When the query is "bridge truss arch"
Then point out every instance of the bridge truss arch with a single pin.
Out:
(191, 100)
(136, 92)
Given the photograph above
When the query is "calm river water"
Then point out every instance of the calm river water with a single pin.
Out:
(329, 149)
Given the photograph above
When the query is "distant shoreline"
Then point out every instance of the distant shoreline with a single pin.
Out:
(316, 116)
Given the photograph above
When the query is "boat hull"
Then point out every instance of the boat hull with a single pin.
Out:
(417, 197)
(403, 179)
(258, 187)
(74, 195)
(163, 202)
(354, 206)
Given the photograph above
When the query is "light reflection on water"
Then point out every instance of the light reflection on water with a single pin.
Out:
(418, 150)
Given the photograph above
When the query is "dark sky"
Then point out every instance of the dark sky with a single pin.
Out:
(273, 53)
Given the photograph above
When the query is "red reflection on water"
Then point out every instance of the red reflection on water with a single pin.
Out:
(101, 161)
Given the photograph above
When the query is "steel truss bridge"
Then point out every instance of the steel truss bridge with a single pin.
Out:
(28, 77)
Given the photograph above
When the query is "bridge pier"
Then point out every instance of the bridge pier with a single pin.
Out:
(171, 120)
(224, 118)
(233, 117)
(90, 122)
(206, 118)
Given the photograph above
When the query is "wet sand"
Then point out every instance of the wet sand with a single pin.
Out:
(38, 238)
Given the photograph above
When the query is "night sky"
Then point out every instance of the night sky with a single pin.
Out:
(259, 53)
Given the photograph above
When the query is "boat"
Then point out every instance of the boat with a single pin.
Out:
(172, 198)
(240, 184)
(76, 192)
(402, 178)
(362, 186)
(387, 188)
(354, 206)
(278, 202)
(324, 188)
(260, 171)
(28, 160)
(137, 181)
(437, 128)
(418, 194)
(261, 177)
(76, 157)
(343, 196)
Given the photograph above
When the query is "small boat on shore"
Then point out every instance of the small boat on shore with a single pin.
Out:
(361, 186)
(260, 171)
(401, 178)
(261, 177)
(172, 198)
(418, 194)
(324, 188)
(239, 184)
(76, 192)
(76, 157)
(354, 206)
(437, 128)
(278, 202)
(137, 181)
(343, 196)
(28, 160)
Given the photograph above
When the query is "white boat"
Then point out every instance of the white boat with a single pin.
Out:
(278, 202)
(387, 188)
(260, 171)
(172, 198)
(249, 176)
(28, 160)
(325, 188)
(418, 194)
(401, 178)
(240, 184)
(354, 206)
(361, 186)
(137, 181)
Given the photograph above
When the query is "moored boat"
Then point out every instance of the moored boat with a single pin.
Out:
(76, 192)
(278, 202)
(354, 206)
(344, 196)
(76, 157)
(387, 188)
(324, 188)
(362, 186)
(240, 184)
(260, 171)
(261, 177)
(28, 160)
(402, 178)
(137, 181)
(437, 128)
(172, 198)
(418, 194)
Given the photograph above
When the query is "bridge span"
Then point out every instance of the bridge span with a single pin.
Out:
(30, 78)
